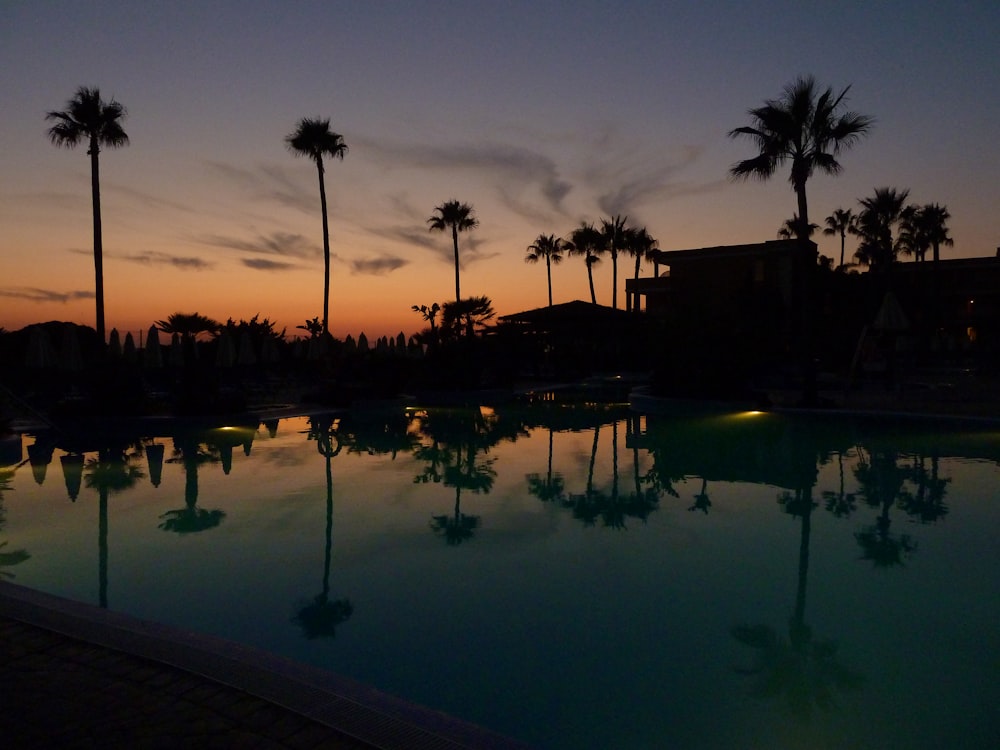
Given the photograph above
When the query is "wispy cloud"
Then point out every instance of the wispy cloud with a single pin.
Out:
(626, 184)
(270, 183)
(527, 181)
(377, 266)
(439, 243)
(284, 244)
(263, 264)
(32, 294)
(152, 257)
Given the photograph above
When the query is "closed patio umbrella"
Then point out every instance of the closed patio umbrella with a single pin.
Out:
(41, 355)
(152, 354)
(128, 348)
(225, 353)
(70, 357)
(115, 344)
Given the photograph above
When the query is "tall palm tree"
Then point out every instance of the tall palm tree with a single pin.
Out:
(313, 138)
(840, 222)
(89, 118)
(586, 241)
(613, 234)
(549, 247)
(458, 217)
(803, 127)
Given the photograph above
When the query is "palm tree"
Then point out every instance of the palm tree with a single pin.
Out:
(881, 215)
(840, 222)
(313, 138)
(549, 247)
(586, 241)
(613, 234)
(458, 217)
(802, 127)
(639, 244)
(793, 228)
(89, 118)
(934, 222)
(463, 317)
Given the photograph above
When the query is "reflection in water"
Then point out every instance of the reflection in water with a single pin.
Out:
(113, 471)
(849, 488)
(191, 519)
(320, 617)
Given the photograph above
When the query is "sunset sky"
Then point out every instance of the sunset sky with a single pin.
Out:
(539, 114)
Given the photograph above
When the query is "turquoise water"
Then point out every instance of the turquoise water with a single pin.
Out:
(574, 577)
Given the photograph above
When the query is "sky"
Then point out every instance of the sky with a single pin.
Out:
(539, 114)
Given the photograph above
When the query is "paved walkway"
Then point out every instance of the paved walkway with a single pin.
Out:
(74, 676)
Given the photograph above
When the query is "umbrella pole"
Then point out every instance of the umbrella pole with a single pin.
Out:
(856, 358)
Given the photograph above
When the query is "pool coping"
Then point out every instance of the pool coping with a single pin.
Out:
(352, 708)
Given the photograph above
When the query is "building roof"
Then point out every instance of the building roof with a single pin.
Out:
(575, 313)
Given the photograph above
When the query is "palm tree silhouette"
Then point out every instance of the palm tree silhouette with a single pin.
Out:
(89, 118)
(458, 217)
(881, 214)
(803, 127)
(839, 223)
(613, 235)
(313, 138)
(549, 247)
(639, 244)
(586, 241)
(792, 228)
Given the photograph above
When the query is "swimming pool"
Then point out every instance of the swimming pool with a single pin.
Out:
(569, 576)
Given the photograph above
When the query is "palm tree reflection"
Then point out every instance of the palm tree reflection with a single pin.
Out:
(320, 617)
(881, 479)
(803, 669)
(113, 471)
(191, 518)
(457, 436)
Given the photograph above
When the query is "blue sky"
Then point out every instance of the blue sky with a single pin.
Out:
(539, 114)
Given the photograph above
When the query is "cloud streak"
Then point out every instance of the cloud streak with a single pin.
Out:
(269, 183)
(152, 257)
(377, 266)
(524, 178)
(282, 244)
(33, 294)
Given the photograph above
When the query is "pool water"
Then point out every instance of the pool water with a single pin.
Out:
(570, 576)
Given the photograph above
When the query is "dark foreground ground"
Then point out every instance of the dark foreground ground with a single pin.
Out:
(74, 676)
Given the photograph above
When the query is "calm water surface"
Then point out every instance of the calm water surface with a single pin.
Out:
(572, 577)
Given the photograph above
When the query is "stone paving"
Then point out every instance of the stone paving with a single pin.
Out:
(77, 676)
(57, 692)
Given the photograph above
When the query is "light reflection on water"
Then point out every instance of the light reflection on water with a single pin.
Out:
(573, 577)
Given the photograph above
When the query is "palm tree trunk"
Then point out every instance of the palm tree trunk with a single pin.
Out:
(614, 278)
(548, 273)
(95, 191)
(454, 240)
(807, 268)
(843, 238)
(590, 279)
(326, 246)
